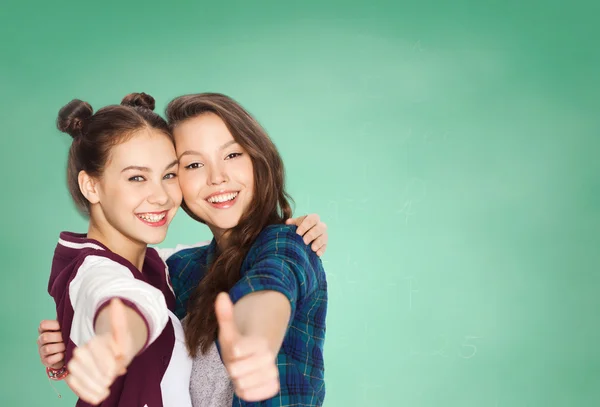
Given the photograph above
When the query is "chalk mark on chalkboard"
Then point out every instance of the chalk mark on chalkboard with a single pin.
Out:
(365, 174)
(411, 290)
(352, 264)
(415, 191)
(471, 346)
(427, 138)
(307, 202)
(407, 209)
(334, 283)
(421, 189)
(441, 350)
(335, 209)
(363, 204)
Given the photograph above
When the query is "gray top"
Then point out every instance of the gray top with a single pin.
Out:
(210, 385)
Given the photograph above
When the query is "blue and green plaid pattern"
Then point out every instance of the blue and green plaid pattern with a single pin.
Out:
(280, 261)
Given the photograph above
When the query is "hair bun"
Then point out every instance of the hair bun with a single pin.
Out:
(139, 99)
(72, 117)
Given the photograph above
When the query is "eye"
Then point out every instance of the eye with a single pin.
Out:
(170, 175)
(137, 178)
(193, 166)
(233, 155)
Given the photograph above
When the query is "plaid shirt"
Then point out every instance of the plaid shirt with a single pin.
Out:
(279, 261)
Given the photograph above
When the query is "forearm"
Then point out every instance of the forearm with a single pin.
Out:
(265, 314)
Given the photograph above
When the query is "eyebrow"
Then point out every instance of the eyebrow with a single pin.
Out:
(223, 147)
(147, 169)
(230, 142)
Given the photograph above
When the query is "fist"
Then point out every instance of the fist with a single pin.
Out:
(95, 365)
(249, 361)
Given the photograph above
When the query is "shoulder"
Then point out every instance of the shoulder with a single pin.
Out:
(165, 253)
(102, 260)
(188, 254)
(281, 240)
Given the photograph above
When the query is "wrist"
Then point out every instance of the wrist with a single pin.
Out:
(57, 374)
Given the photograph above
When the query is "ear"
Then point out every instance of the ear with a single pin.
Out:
(88, 187)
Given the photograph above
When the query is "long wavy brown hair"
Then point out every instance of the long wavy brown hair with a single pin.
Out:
(270, 205)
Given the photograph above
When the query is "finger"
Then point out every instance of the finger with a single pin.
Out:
(295, 221)
(48, 325)
(118, 325)
(321, 251)
(248, 347)
(84, 393)
(105, 361)
(55, 361)
(260, 393)
(80, 391)
(228, 331)
(317, 244)
(52, 348)
(306, 223)
(257, 363)
(81, 370)
(258, 378)
(48, 338)
(90, 369)
(311, 235)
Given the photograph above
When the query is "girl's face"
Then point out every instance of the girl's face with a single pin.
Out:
(138, 193)
(216, 173)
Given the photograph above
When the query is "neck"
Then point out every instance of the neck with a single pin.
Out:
(221, 237)
(134, 252)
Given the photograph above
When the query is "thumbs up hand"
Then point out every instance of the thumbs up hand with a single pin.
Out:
(248, 359)
(95, 365)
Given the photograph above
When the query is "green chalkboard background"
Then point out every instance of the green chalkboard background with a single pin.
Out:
(451, 146)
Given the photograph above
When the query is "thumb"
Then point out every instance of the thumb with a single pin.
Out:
(228, 331)
(295, 221)
(118, 328)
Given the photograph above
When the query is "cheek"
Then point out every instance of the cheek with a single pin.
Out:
(189, 186)
(117, 196)
(247, 172)
(175, 193)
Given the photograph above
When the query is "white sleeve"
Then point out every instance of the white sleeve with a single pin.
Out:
(100, 279)
(168, 252)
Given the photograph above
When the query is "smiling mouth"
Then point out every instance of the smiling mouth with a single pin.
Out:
(153, 218)
(228, 197)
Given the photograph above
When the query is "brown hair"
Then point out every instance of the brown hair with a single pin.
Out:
(270, 205)
(94, 134)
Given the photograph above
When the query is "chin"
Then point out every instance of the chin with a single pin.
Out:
(219, 227)
(153, 238)
(155, 241)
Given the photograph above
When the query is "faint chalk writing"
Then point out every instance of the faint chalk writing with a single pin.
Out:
(441, 351)
(467, 344)
(417, 46)
(411, 290)
(334, 205)
(465, 348)
(407, 210)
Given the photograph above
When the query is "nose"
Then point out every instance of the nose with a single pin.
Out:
(217, 175)
(158, 195)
